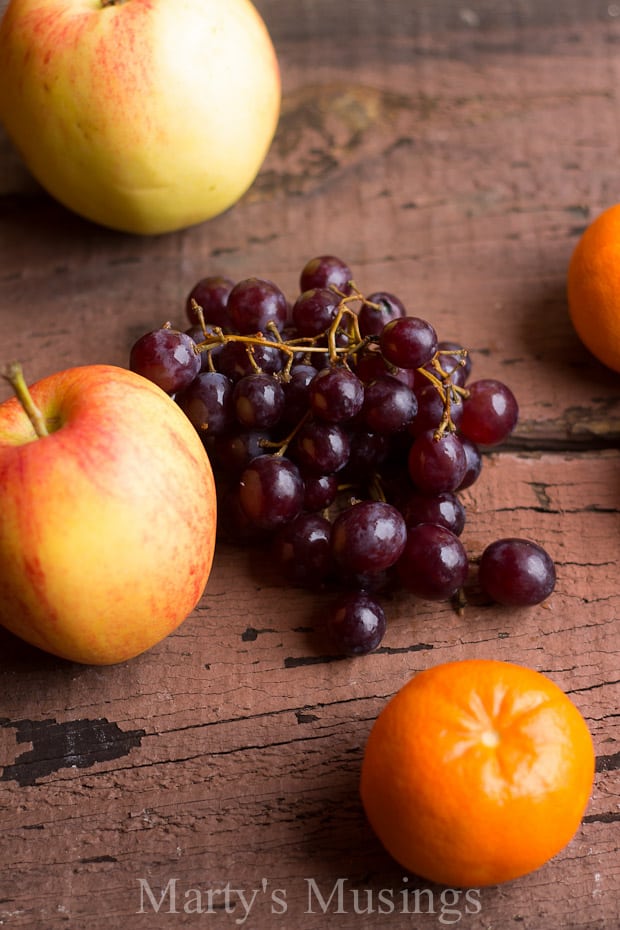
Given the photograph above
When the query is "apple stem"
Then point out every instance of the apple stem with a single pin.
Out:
(14, 374)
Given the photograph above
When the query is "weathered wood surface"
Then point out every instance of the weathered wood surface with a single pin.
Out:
(452, 154)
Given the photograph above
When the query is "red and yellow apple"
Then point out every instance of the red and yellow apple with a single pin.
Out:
(107, 523)
(146, 116)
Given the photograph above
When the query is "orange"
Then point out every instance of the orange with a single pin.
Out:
(477, 772)
(594, 287)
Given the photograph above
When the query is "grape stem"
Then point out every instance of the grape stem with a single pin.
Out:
(281, 445)
(345, 322)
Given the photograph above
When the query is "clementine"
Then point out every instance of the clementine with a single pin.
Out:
(593, 285)
(477, 772)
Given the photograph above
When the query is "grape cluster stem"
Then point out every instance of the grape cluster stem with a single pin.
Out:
(449, 392)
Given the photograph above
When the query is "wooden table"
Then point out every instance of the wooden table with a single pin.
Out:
(452, 153)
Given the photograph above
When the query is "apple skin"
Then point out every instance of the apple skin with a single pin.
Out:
(146, 116)
(107, 525)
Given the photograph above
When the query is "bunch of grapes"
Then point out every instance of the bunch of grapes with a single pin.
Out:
(342, 430)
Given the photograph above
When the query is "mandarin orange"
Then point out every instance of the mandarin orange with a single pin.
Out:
(477, 772)
(593, 287)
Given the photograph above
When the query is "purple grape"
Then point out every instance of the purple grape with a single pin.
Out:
(233, 451)
(271, 491)
(315, 310)
(233, 360)
(208, 356)
(357, 625)
(462, 361)
(166, 357)
(320, 491)
(368, 452)
(207, 403)
(490, 412)
(516, 572)
(368, 537)
(296, 394)
(321, 448)
(323, 271)
(444, 509)
(473, 460)
(457, 366)
(253, 303)
(270, 360)
(373, 319)
(372, 365)
(233, 524)
(211, 294)
(436, 464)
(431, 410)
(336, 395)
(408, 342)
(303, 551)
(434, 563)
(389, 405)
(258, 401)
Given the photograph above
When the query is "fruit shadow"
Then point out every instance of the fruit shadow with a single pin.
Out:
(345, 859)
(18, 656)
(549, 338)
(39, 226)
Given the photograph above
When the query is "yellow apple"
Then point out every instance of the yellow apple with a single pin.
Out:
(107, 523)
(146, 116)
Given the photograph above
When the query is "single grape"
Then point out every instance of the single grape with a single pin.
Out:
(473, 460)
(211, 294)
(373, 319)
(302, 549)
(253, 303)
(233, 524)
(166, 357)
(371, 365)
(436, 464)
(208, 356)
(323, 271)
(233, 451)
(444, 509)
(258, 401)
(207, 403)
(315, 310)
(368, 453)
(271, 491)
(336, 395)
(516, 572)
(357, 625)
(296, 394)
(431, 410)
(457, 362)
(408, 342)
(458, 351)
(320, 491)
(268, 359)
(490, 412)
(389, 405)
(368, 537)
(237, 359)
(321, 448)
(434, 563)
(233, 360)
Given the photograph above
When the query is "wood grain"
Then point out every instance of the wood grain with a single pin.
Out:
(452, 154)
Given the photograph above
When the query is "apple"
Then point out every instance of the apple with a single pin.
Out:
(146, 116)
(107, 514)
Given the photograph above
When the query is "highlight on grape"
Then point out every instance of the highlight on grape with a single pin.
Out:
(341, 431)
